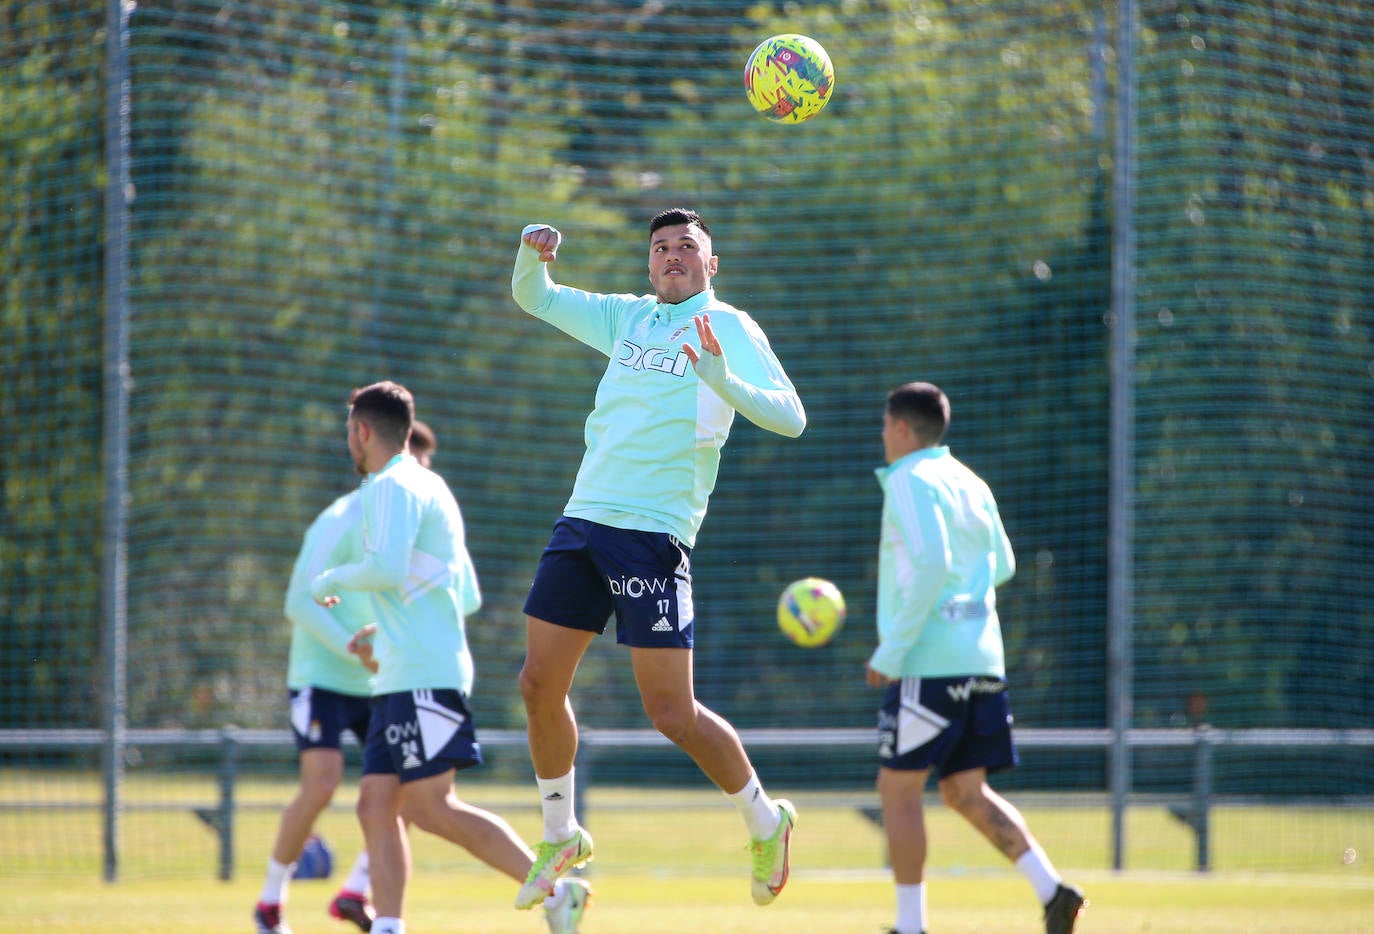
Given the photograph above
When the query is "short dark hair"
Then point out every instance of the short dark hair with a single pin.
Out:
(674, 216)
(387, 407)
(422, 439)
(923, 406)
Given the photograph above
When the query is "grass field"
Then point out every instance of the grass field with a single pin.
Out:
(683, 867)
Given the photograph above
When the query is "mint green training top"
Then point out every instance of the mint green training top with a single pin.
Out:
(416, 568)
(942, 555)
(319, 654)
(654, 435)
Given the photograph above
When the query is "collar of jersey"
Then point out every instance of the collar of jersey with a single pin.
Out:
(400, 456)
(666, 312)
(906, 460)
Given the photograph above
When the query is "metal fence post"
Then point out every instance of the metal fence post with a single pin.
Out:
(114, 570)
(1121, 481)
(1202, 794)
(228, 773)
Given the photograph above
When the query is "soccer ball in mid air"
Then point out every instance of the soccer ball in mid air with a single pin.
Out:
(789, 78)
(811, 611)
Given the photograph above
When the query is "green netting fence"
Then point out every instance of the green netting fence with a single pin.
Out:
(316, 196)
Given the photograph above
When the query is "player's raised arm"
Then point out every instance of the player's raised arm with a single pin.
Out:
(530, 283)
(543, 239)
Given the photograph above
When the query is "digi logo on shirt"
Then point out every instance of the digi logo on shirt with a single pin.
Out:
(635, 357)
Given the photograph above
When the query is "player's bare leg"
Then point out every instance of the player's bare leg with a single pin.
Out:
(552, 654)
(997, 819)
(664, 677)
(388, 848)
(904, 821)
(433, 806)
(321, 773)
(991, 815)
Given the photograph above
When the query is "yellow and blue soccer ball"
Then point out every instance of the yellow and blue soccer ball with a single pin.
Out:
(789, 78)
(811, 611)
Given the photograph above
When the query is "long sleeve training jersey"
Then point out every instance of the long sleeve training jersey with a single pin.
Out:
(416, 568)
(942, 555)
(319, 654)
(654, 435)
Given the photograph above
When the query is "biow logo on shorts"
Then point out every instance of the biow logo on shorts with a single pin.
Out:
(636, 587)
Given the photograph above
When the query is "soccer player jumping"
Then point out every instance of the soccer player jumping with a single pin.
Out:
(623, 545)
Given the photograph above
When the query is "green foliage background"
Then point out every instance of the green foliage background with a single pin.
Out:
(329, 194)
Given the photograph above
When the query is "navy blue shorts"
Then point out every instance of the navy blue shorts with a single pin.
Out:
(946, 724)
(320, 716)
(416, 734)
(590, 570)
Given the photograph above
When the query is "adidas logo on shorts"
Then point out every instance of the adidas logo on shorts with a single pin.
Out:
(663, 625)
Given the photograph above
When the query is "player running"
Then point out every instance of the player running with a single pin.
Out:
(331, 694)
(417, 571)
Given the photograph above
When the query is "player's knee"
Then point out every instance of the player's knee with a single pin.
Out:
(675, 721)
(960, 796)
(534, 688)
(373, 809)
(320, 787)
(529, 683)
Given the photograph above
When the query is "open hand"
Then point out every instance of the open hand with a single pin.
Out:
(709, 343)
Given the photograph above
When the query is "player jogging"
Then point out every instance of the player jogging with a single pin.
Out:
(942, 555)
(331, 694)
(416, 570)
(624, 543)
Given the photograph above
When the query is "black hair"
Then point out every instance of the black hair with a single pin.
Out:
(387, 407)
(923, 406)
(675, 216)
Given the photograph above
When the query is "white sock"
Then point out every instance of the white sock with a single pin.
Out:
(911, 909)
(758, 810)
(388, 926)
(556, 800)
(278, 877)
(358, 877)
(1037, 868)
